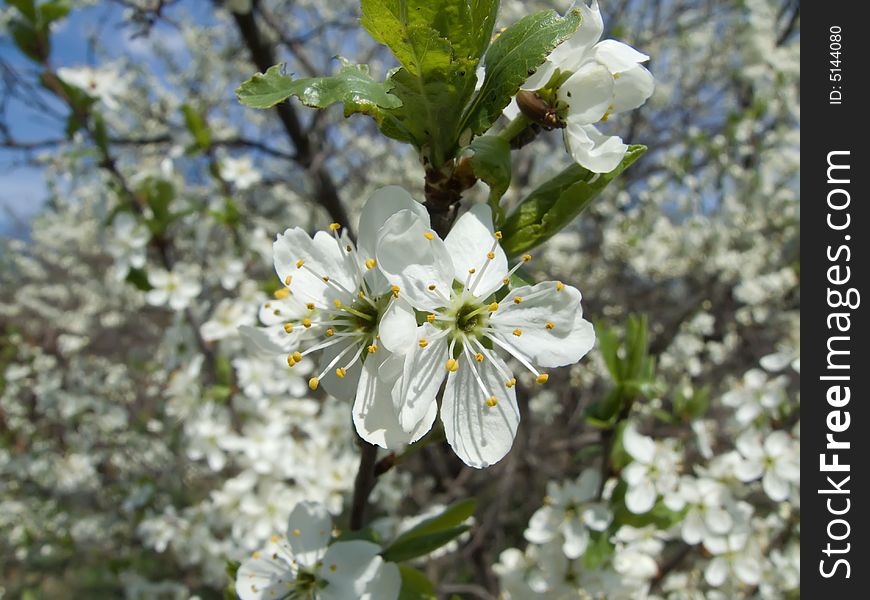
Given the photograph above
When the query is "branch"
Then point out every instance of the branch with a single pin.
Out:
(363, 484)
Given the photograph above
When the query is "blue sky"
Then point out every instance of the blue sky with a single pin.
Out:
(22, 187)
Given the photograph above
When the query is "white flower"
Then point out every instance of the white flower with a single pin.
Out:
(569, 511)
(636, 552)
(176, 288)
(757, 395)
(336, 302)
(653, 471)
(305, 565)
(105, 84)
(239, 171)
(707, 513)
(127, 246)
(454, 282)
(607, 78)
(228, 316)
(776, 459)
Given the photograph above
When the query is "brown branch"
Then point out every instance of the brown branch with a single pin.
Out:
(363, 484)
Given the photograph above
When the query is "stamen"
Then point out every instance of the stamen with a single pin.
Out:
(310, 306)
(395, 290)
(527, 257)
(560, 286)
(542, 378)
(429, 236)
(306, 322)
(497, 235)
(330, 332)
(337, 303)
(423, 342)
(513, 352)
(282, 293)
(491, 401)
(373, 348)
(549, 325)
(517, 300)
(288, 327)
(334, 226)
(297, 356)
(340, 373)
(313, 383)
(299, 263)
(518, 332)
(452, 365)
(430, 317)
(288, 280)
(493, 307)
(371, 263)
(478, 357)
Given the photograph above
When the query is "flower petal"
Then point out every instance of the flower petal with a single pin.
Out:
(380, 206)
(618, 57)
(588, 93)
(640, 498)
(423, 372)
(632, 88)
(571, 53)
(591, 149)
(576, 539)
(348, 568)
(309, 530)
(641, 448)
(305, 261)
(398, 327)
(549, 315)
(479, 434)
(469, 243)
(342, 388)
(264, 577)
(409, 259)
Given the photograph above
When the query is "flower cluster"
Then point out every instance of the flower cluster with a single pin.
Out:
(401, 311)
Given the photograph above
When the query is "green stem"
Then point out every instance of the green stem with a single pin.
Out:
(514, 128)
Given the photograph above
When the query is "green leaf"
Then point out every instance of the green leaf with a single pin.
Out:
(556, 203)
(491, 163)
(415, 585)
(402, 550)
(453, 516)
(600, 549)
(138, 279)
(352, 86)
(438, 44)
(512, 58)
(27, 8)
(368, 534)
(197, 126)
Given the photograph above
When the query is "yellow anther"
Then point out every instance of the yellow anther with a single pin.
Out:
(549, 325)
(306, 322)
(518, 332)
(325, 278)
(313, 383)
(255, 556)
(330, 332)
(510, 382)
(472, 270)
(288, 279)
(430, 317)
(491, 401)
(423, 342)
(361, 295)
(560, 286)
(478, 357)
(333, 568)
(299, 263)
(527, 257)
(395, 290)
(371, 263)
(429, 235)
(296, 532)
(497, 235)
(542, 378)
(337, 303)
(282, 293)
(432, 287)
(452, 365)
(267, 305)
(290, 361)
(616, 75)
(517, 299)
(372, 349)
(297, 356)
(493, 307)
(340, 373)
(349, 248)
(334, 226)
(275, 539)
(506, 280)
(490, 255)
(288, 327)
(310, 306)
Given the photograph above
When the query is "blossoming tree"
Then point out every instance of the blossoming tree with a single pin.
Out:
(261, 348)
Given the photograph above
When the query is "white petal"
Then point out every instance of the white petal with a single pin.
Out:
(541, 77)
(342, 388)
(618, 57)
(588, 93)
(631, 89)
(469, 241)
(718, 520)
(347, 568)
(479, 434)
(591, 149)
(423, 372)
(309, 529)
(588, 485)
(264, 577)
(543, 525)
(576, 539)
(774, 486)
(716, 572)
(748, 470)
(596, 516)
(777, 443)
(748, 569)
(641, 448)
(267, 341)
(380, 206)
(554, 332)
(693, 529)
(410, 260)
(570, 54)
(374, 414)
(386, 584)
(641, 498)
(398, 327)
(320, 256)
